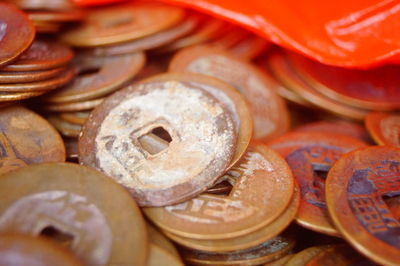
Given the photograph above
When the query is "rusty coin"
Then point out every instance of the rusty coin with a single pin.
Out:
(26, 138)
(165, 141)
(269, 111)
(124, 22)
(16, 33)
(310, 156)
(384, 128)
(263, 190)
(29, 76)
(78, 207)
(42, 54)
(355, 188)
(24, 250)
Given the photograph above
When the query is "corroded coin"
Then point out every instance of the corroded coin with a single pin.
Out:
(269, 112)
(310, 155)
(26, 138)
(384, 128)
(19, 250)
(29, 76)
(164, 141)
(355, 191)
(263, 190)
(42, 54)
(16, 33)
(78, 207)
(124, 22)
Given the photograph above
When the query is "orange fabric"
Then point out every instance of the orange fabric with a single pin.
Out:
(350, 33)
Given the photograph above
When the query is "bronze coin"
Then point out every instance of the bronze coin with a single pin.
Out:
(71, 107)
(106, 74)
(310, 155)
(45, 85)
(56, 16)
(149, 42)
(263, 190)
(41, 55)
(17, 96)
(384, 128)
(164, 141)
(77, 207)
(263, 253)
(250, 47)
(77, 118)
(29, 76)
(355, 188)
(339, 255)
(16, 33)
(123, 22)
(269, 111)
(23, 250)
(65, 128)
(27, 138)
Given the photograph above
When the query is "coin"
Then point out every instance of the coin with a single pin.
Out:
(41, 55)
(6, 97)
(77, 207)
(16, 33)
(18, 250)
(73, 15)
(26, 138)
(250, 47)
(269, 111)
(280, 262)
(65, 128)
(158, 239)
(44, 4)
(339, 255)
(263, 190)
(71, 107)
(106, 74)
(355, 188)
(29, 76)
(310, 156)
(384, 128)
(78, 118)
(140, 137)
(301, 258)
(71, 147)
(123, 22)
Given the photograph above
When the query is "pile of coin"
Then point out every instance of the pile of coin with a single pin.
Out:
(188, 140)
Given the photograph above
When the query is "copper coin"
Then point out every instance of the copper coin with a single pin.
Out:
(165, 141)
(77, 118)
(65, 128)
(342, 127)
(71, 107)
(78, 207)
(269, 111)
(301, 258)
(263, 253)
(17, 96)
(44, 4)
(250, 47)
(286, 75)
(26, 138)
(376, 89)
(45, 85)
(29, 76)
(149, 42)
(355, 188)
(263, 190)
(310, 156)
(124, 22)
(106, 74)
(56, 16)
(47, 27)
(384, 128)
(23, 250)
(246, 241)
(16, 33)
(339, 255)
(42, 54)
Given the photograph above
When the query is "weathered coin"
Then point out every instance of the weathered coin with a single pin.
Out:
(301, 258)
(106, 74)
(123, 22)
(29, 76)
(269, 111)
(16, 33)
(27, 138)
(78, 118)
(65, 128)
(355, 188)
(339, 255)
(71, 107)
(262, 192)
(310, 155)
(164, 141)
(384, 128)
(20, 250)
(78, 207)
(41, 55)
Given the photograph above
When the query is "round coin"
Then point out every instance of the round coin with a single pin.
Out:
(384, 128)
(310, 155)
(165, 141)
(27, 138)
(355, 191)
(124, 22)
(262, 192)
(29, 76)
(16, 33)
(269, 111)
(78, 207)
